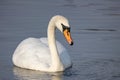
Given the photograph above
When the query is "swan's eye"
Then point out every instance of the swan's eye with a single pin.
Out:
(65, 28)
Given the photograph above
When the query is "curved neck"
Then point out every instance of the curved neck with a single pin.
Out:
(56, 63)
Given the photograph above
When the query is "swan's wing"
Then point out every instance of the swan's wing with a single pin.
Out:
(32, 53)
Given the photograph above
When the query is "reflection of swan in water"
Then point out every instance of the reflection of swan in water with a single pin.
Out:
(24, 74)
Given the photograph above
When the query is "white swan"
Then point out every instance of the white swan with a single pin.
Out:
(42, 54)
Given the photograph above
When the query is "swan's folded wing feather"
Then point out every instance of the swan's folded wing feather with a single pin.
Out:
(32, 53)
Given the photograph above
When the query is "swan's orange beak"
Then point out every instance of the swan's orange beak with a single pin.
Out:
(68, 36)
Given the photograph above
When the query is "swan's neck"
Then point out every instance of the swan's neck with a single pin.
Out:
(56, 64)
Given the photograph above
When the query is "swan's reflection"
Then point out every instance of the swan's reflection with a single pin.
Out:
(24, 74)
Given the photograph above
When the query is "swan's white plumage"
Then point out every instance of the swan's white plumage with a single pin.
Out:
(31, 53)
(35, 53)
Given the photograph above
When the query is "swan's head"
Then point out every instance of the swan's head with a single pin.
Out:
(63, 25)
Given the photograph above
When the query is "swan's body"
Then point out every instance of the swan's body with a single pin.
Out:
(44, 54)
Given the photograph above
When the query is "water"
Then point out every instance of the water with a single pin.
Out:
(95, 30)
